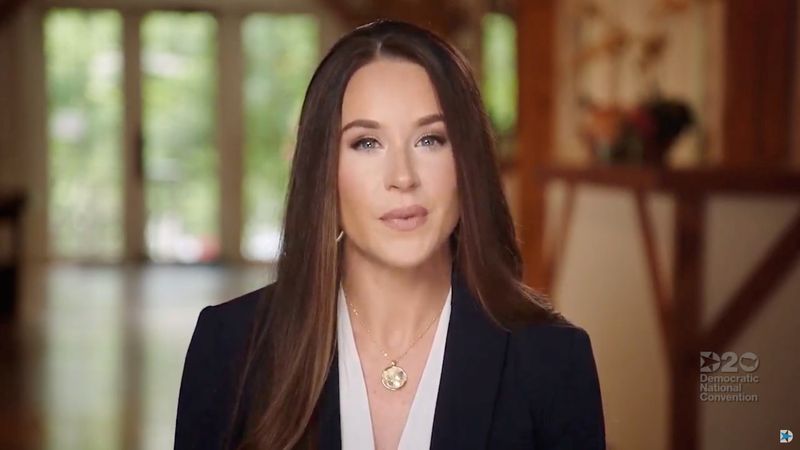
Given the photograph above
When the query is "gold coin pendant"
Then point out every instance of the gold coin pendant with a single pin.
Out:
(393, 377)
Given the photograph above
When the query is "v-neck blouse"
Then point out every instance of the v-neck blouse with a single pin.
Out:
(356, 422)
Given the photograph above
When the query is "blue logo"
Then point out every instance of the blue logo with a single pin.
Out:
(786, 436)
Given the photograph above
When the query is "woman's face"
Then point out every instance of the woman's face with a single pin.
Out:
(395, 153)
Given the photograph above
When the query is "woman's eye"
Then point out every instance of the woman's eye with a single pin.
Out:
(431, 139)
(365, 144)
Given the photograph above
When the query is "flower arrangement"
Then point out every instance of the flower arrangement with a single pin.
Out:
(641, 135)
(644, 133)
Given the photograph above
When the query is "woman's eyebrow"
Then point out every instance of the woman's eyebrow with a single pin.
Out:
(364, 123)
(429, 119)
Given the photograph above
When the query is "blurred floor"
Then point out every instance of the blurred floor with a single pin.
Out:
(94, 359)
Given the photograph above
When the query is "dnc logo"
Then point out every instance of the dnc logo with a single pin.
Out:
(786, 436)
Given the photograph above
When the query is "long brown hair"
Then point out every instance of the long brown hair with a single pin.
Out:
(293, 340)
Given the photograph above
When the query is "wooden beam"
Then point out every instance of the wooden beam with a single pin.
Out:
(133, 147)
(754, 293)
(30, 123)
(230, 135)
(760, 40)
(554, 253)
(796, 105)
(441, 16)
(8, 8)
(536, 47)
(685, 320)
(728, 180)
(660, 294)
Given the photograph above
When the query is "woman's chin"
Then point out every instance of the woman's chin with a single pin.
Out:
(407, 257)
(404, 262)
(400, 253)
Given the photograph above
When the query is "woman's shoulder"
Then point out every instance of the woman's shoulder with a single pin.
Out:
(239, 308)
(554, 335)
(210, 370)
(552, 351)
(231, 319)
(556, 368)
(223, 329)
(556, 346)
(222, 333)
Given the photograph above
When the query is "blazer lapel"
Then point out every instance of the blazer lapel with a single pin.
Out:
(471, 371)
(474, 357)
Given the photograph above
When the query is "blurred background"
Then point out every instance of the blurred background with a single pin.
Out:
(649, 150)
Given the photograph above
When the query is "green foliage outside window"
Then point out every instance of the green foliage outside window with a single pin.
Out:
(281, 52)
(84, 100)
(180, 156)
(499, 83)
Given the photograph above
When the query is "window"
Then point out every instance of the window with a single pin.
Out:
(83, 72)
(499, 84)
(281, 53)
(180, 159)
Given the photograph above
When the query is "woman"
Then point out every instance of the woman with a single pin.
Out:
(398, 318)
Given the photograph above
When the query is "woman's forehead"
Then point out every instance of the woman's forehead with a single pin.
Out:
(389, 90)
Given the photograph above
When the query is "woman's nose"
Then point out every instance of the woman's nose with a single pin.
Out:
(400, 172)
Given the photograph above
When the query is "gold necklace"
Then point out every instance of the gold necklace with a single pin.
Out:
(393, 376)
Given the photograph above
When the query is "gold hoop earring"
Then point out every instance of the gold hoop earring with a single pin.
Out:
(339, 237)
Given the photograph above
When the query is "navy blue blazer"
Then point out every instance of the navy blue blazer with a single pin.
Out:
(534, 388)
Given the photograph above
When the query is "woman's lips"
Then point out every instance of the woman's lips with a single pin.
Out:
(408, 224)
(406, 218)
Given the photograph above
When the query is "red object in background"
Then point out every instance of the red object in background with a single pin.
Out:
(642, 135)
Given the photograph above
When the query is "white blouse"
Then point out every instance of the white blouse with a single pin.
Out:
(356, 422)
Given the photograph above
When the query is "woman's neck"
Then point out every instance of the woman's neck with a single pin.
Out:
(396, 304)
